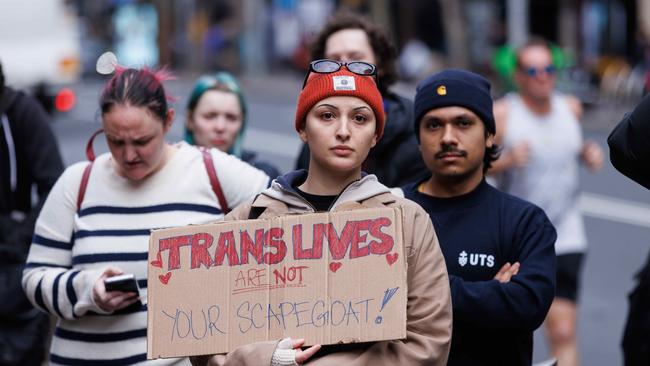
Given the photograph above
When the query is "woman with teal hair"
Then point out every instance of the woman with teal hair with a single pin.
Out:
(216, 117)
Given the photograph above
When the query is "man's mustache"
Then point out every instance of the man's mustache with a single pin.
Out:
(449, 149)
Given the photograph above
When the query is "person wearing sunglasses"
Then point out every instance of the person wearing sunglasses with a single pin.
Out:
(216, 117)
(340, 116)
(539, 129)
(395, 160)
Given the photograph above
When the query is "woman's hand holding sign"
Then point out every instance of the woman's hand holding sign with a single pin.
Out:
(301, 356)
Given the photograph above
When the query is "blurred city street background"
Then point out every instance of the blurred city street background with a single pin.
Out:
(604, 50)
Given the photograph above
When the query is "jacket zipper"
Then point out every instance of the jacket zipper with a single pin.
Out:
(342, 191)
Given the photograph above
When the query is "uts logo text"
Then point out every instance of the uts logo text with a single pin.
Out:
(475, 259)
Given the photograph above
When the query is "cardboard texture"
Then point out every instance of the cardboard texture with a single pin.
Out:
(326, 277)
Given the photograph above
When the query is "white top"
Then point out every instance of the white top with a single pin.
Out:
(70, 249)
(550, 178)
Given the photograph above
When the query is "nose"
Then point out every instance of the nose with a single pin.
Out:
(130, 153)
(449, 135)
(220, 123)
(343, 130)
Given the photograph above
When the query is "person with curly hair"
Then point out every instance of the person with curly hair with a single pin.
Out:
(395, 160)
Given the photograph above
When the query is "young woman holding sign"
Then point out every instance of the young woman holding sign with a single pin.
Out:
(96, 221)
(340, 116)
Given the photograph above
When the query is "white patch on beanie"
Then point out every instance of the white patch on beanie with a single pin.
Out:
(344, 82)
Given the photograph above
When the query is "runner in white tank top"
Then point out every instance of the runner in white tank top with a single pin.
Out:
(542, 147)
(550, 177)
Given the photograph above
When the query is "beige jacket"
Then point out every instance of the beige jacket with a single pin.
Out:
(429, 311)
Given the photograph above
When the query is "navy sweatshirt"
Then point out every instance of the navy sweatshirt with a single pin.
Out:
(479, 232)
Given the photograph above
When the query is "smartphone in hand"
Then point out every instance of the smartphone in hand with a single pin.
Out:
(124, 283)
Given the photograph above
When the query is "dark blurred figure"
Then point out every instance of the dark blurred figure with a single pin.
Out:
(29, 158)
(395, 160)
(629, 151)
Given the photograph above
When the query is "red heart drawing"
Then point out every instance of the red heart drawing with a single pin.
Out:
(334, 266)
(391, 258)
(165, 278)
(158, 261)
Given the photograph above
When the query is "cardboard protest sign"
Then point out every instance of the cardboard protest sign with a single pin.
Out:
(326, 277)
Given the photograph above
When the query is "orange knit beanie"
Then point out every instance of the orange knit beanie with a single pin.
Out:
(340, 83)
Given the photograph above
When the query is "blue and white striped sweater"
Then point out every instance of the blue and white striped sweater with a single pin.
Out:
(70, 249)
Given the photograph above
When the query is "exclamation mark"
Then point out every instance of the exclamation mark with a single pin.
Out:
(388, 294)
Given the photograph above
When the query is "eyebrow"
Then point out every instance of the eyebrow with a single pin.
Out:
(139, 138)
(326, 105)
(464, 116)
(335, 107)
(145, 137)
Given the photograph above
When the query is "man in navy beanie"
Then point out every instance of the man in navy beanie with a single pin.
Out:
(499, 249)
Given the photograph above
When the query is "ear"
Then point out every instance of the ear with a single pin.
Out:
(489, 141)
(374, 141)
(303, 135)
(170, 119)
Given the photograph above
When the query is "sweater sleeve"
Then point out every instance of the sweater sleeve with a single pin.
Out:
(240, 181)
(629, 144)
(523, 302)
(49, 280)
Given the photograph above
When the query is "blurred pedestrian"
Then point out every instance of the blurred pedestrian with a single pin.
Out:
(135, 29)
(96, 221)
(29, 158)
(216, 117)
(539, 129)
(395, 160)
(629, 145)
(340, 116)
(485, 234)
